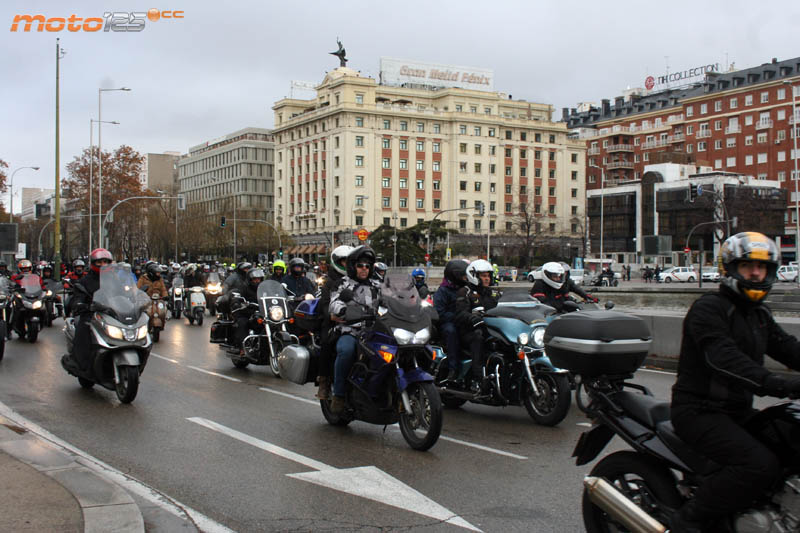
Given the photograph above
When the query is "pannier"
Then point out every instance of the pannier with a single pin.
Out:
(297, 364)
(221, 330)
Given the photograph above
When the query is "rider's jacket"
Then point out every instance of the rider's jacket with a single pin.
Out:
(90, 283)
(151, 286)
(721, 363)
(470, 297)
(549, 295)
(364, 292)
(299, 285)
(444, 300)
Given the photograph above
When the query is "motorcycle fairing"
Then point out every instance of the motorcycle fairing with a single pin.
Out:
(591, 443)
(414, 375)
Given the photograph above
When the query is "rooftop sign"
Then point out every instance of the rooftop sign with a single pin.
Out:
(401, 71)
(684, 76)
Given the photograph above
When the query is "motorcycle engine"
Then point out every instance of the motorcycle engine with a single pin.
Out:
(783, 516)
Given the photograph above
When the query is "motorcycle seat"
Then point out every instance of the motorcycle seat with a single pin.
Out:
(694, 460)
(645, 409)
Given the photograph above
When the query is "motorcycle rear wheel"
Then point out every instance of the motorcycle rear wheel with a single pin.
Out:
(155, 334)
(240, 363)
(421, 428)
(648, 484)
(334, 420)
(553, 405)
(128, 384)
(33, 332)
(199, 319)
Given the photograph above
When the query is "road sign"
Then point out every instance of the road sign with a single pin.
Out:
(448, 254)
(699, 189)
(687, 250)
(427, 257)
(362, 234)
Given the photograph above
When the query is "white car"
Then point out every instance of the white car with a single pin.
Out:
(576, 275)
(787, 273)
(710, 274)
(678, 274)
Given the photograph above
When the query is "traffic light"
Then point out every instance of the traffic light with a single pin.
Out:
(280, 253)
(222, 222)
(692, 192)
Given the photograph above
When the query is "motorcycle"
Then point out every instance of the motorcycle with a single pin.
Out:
(386, 384)
(52, 301)
(118, 327)
(194, 306)
(29, 311)
(5, 309)
(212, 292)
(176, 297)
(265, 328)
(517, 369)
(157, 313)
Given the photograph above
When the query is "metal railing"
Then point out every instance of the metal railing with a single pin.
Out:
(620, 148)
(733, 129)
(764, 124)
(703, 133)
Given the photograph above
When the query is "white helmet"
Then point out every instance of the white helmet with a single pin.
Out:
(475, 268)
(339, 253)
(553, 274)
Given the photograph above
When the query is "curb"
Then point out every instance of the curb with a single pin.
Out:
(105, 505)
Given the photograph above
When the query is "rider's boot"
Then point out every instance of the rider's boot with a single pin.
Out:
(337, 405)
(324, 392)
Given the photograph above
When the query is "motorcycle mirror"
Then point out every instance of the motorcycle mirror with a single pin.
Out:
(609, 305)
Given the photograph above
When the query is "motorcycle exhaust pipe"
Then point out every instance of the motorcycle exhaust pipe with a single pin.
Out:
(620, 507)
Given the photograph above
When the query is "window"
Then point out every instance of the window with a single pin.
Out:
(386, 143)
(748, 160)
(437, 128)
(420, 203)
(523, 154)
(404, 183)
(508, 152)
(359, 160)
(437, 204)
(459, 108)
(403, 222)
(437, 185)
(733, 103)
(487, 110)
(462, 185)
(717, 125)
(387, 124)
(462, 204)
(359, 140)
(781, 135)
(462, 166)
(717, 144)
(477, 131)
(764, 97)
(386, 201)
(477, 168)
(508, 208)
(336, 142)
(552, 211)
(552, 139)
(477, 149)
(359, 122)
(574, 175)
(523, 171)
(404, 164)
(462, 129)
(748, 99)
(420, 164)
(718, 105)
(782, 175)
(492, 206)
(473, 109)
(508, 171)
(359, 98)
(386, 182)
(477, 223)
(701, 146)
(551, 191)
(420, 127)
(492, 168)
(508, 189)
(748, 120)
(730, 142)
(537, 137)
(762, 158)
(508, 134)
(537, 155)
(477, 186)
(574, 210)
(552, 156)
(385, 163)
(761, 138)
(359, 220)
(703, 109)
(718, 163)
(403, 144)
(404, 203)
(748, 140)
(537, 191)
(781, 114)
(537, 173)
(462, 148)
(552, 174)
(730, 162)
(492, 187)
(437, 166)
(462, 224)
(689, 111)
(574, 193)
(573, 158)
(523, 190)
(359, 181)
(359, 201)
(420, 185)
(420, 146)
(386, 221)
(437, 148)
(403, 125)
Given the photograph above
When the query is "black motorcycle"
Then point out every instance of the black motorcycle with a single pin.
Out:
(52, 301)
(640, 489)
(29, 310)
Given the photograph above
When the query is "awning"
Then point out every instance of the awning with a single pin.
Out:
(292, 250)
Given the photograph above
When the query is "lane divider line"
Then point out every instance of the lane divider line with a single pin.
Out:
(210, 373)
(164, 358)
(291, 396)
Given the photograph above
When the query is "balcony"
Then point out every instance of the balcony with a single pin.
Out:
(619, 164)
(703, 133)
(764, 124)
(620, 148)
(677, 138)
(593, 151)
(654, 144)
(736, 128)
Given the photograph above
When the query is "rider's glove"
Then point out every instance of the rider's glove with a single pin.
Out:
(782, 386)
(346, 295)
(476, 321)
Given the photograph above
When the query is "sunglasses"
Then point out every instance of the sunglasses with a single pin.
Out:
(363, 265)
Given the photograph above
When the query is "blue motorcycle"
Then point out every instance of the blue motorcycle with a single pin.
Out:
(517, 370)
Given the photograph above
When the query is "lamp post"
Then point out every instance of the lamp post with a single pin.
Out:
(11, 193)
(100, 161)
(602, 202)
(91, 168)
(394, 239)
(793, 122)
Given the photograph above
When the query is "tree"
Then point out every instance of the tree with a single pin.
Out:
(3, 176)
(411, 242)
(527, 226)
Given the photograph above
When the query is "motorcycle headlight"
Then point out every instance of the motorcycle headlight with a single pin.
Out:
(48, 293)
(276, 313)
(426, 303)
(538, 337)
(523, 339)
(178, 290)
(308, 297)
(160, 305)
(403, 336)
(114, 332)
(37, 304)
(141, 333)
(422, 336)
(197, 289)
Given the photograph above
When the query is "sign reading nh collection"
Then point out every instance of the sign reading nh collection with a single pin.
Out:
(400, 71)
(681, 76)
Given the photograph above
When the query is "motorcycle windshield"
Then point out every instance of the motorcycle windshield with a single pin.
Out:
(177, 281)
(270, 289)
(213, 277)
(521, 307)
(52, 285)
(32, 284)
(118, 294)
(401, 300)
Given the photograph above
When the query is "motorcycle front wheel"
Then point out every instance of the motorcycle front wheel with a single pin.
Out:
(199, 318)
(33, 332)
(552, 404)
(646, 483)
(128, 384)
(423, 425)
(155, 334)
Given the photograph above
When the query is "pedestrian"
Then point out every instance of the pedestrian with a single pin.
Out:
(629, 272)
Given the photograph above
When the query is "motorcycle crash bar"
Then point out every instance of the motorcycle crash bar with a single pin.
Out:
(620, 507)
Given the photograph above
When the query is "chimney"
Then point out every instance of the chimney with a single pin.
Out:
(619, 101)
(606, 106)
(774, 60)
(573, 111)
(564, 114)
(510, 96)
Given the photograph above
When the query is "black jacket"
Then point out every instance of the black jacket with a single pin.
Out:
(234, 283)
(469, 298)
(550, 295)
(721, 363)
(444, 300)
(84, 295)
(299, 285)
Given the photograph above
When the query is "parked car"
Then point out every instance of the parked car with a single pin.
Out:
(787, 273)
(504, 274)
(533, 275)
(678, 274)
(576, 274)
(710, 274)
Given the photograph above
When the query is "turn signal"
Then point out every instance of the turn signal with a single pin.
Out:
(387, 356)
(291, 321)
(521, 355)
(260, 321)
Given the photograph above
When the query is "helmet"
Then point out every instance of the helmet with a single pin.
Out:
(190, 269)
(206, 268)
(380, 270)
(475, 268)
(553, 274)
(297, 266)
(455, 272)
(175, 267)
(47, 266)
(25, 266)
(99, 254)
(243, 267)
(152, 269)
(360, 253)
(419, 276)
(78, 263)
(255, 276)
(339, 253)
(279, 264)
(749, 246)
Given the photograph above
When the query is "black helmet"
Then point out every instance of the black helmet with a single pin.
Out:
(3, 264)
(297, 266)
(244, 267)
(255, 276)
(153, 270)
(455, 272)
(359, 254)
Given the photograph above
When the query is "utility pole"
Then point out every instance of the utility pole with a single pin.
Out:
(57, 241)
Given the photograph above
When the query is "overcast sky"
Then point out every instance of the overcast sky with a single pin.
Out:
(222, 67)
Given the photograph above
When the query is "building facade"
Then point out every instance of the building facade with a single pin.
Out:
(361, 154)
(739, 121)
(30, 197)
(160, 172)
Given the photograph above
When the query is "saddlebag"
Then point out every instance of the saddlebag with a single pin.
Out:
(221, 330)
(298, 364)
(595, 343)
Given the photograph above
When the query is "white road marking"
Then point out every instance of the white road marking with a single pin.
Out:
(584, 424)
(128, 483)
(164, 358)
(367, 482)
(292, 396)
(210, 373)
(657, 371)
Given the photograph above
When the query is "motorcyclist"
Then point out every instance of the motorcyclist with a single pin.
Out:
(725, 337)
(81, 308)
(174, 271)
(380, 272)
(242, 313)
(328, 336)
(47, 273)
(444, 300)
(4, 269)
(193, 278)
(237, 280)
(24, 267)
(419, 282)
(151, 282)
(357, 287)
(296, 280)
(550, 289)
(137, 271)
(78, 270)
(472, 331)
(278, 270)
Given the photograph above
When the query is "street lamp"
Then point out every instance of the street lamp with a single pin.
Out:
(602, 202)
(11, 193)
(100, 162)
(793, 122)
(91, 168)
(394, 239)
